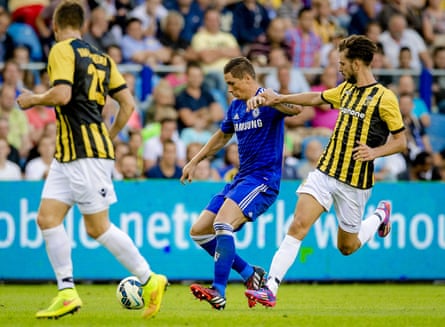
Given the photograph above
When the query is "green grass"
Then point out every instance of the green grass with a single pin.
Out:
(298, 305)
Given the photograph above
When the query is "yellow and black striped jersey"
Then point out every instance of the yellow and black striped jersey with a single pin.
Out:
(367, 115)
(81, 131)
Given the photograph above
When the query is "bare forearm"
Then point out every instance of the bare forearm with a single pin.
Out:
(394, 145)
(303, 99)
(216, 142)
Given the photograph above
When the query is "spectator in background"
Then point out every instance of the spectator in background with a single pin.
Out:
(405, 58)
(278, 60)
(288, 11)
(312, 152)
(380, 61)
(325, 117)
(129, 167)
(230, 164)
(198, 132)
(21, 56)
(213, 49)
(205, 172)
(420, 111)
(150, 13)
(153, 147)
(115, 52)
(365, 12)
(13, 155)
(408, 9)
(390, 168)
(192, 14)
(422, 168)
(141, 49)
(417, 136)
(250, 22)
(18, 123)
(329, 51)
(325, 24)
(37, 168)
(305, 43)
(340, 10)
(98, 33)
(167, 167)
(433, 23)
(136, 147)
(117, 12)
(275, 39)
(120, 149)
(373, 31)
(9, 171)
(191, 150)
(161, 105)
(170, 36)
(12, 76)
(6, 41)
(50, 131)
(177, 79)
(399, 35)
(439, 81)
(39, 116)
(194, 98)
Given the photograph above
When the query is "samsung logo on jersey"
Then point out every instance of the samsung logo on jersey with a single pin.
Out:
(251, 124)
(352, 112)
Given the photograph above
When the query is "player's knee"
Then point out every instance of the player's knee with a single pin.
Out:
(299, 228)
(346, 249)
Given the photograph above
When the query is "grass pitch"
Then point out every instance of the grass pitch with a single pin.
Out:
(298, 305)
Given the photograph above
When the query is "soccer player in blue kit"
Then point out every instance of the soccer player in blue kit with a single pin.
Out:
(260, 136)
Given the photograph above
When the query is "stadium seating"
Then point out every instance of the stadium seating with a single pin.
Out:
(436, 132)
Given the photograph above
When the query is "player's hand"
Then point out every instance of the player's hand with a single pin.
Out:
(362, 152)
(24, 100)
(255, 102)
(267, 98)
(187, 172)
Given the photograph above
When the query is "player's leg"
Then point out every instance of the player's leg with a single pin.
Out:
(203, 233)
(350, 206)
(94, 193)
(98, 226)
(58, 247)
(378, 221)
(314, 199)
(55, 203)
(229, 217)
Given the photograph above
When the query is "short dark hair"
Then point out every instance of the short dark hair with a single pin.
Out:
(239, 66)
(69, 13)
(358, 47)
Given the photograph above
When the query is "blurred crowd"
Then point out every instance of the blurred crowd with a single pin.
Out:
(180, 48)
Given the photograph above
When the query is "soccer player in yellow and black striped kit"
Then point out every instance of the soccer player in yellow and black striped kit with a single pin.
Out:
(82, 77)
(369, 126)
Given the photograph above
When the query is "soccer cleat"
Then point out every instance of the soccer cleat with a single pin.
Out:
(263, 296)
(153, 292)
(67, 301)
(211, 295)
(257, 279)
(385, 225)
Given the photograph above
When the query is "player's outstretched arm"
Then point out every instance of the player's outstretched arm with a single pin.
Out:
(216, 143)
(273, 99)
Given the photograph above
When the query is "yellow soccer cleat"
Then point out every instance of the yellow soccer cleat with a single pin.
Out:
(67, 301)
(153, 294)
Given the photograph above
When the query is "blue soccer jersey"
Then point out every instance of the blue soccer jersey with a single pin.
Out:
(260, 135)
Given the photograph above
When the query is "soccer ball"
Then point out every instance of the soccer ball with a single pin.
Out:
(129, 293)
